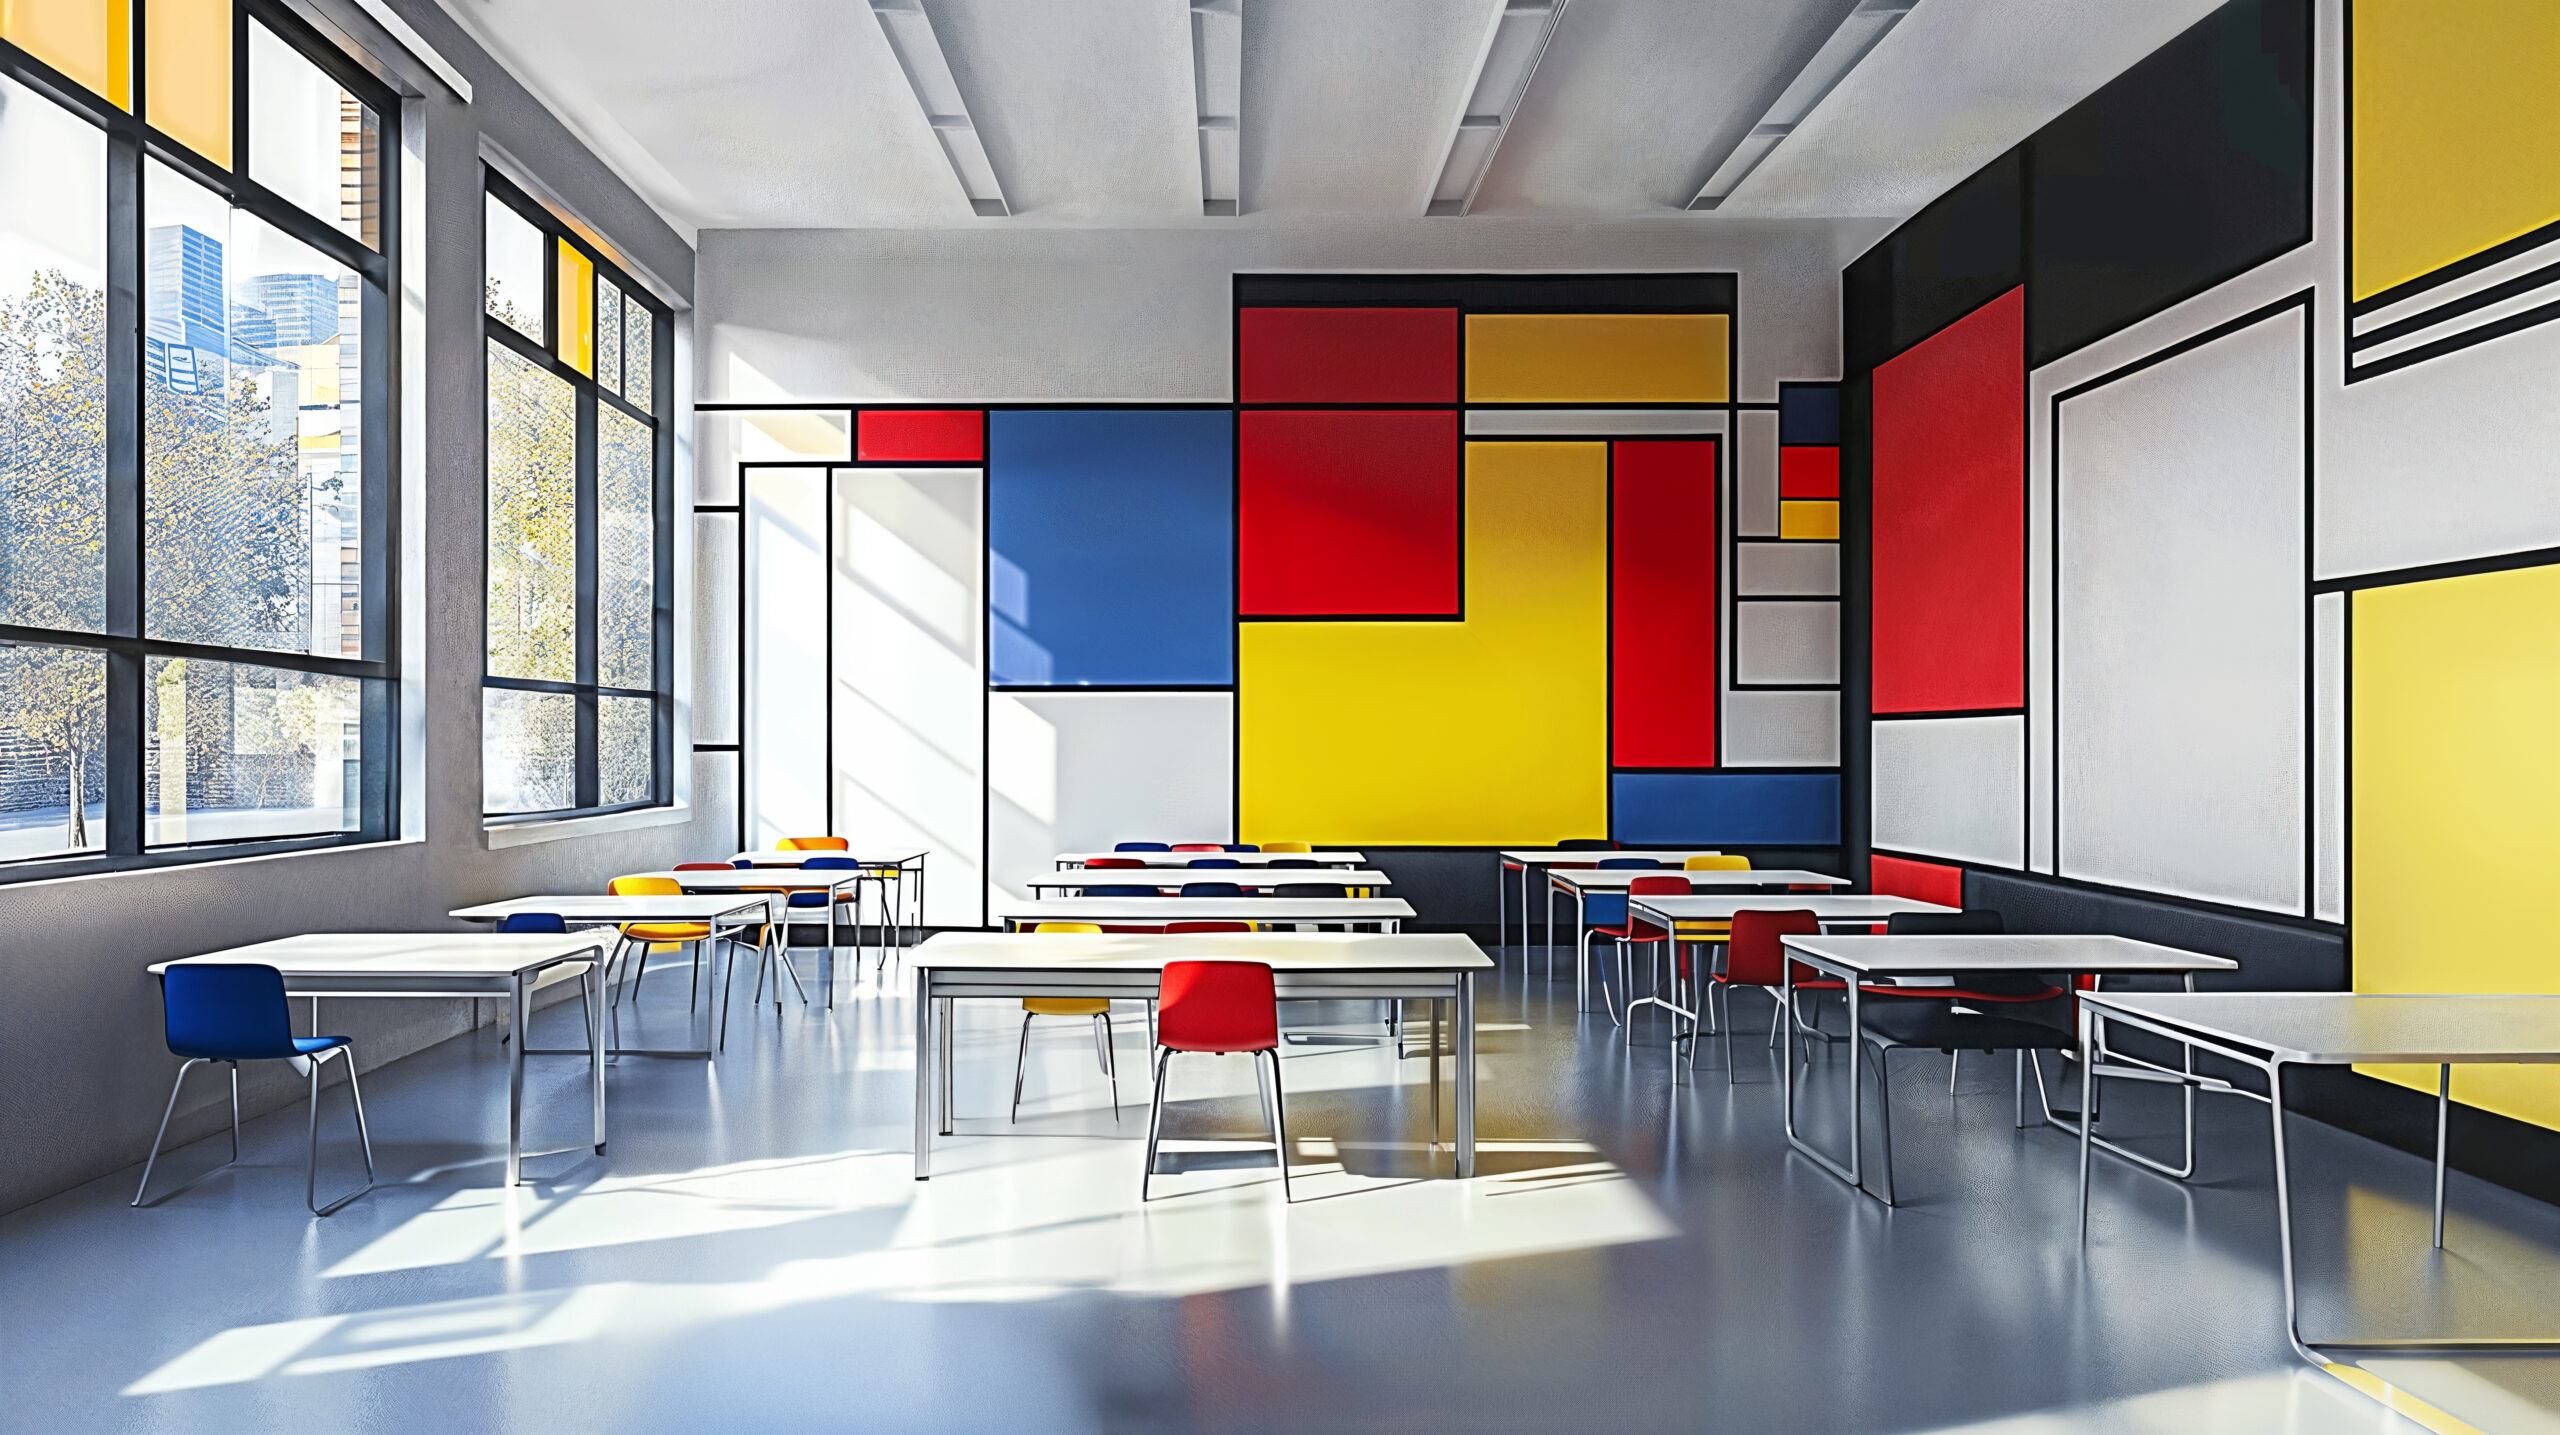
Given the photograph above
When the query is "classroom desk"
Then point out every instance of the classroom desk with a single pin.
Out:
(1241, 859)
(1306, 966)
(1860, 959)
(1576, 882)
(1828, 908)
(1073, 878)
(2273, 1030)
(829, 880)
(1524, 860)
(737, 910)
(1388, 913)
(896, 869)
(439, 964)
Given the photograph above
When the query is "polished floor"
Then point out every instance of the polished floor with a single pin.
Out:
(752, 1254)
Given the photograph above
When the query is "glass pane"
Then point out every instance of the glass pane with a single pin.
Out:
(625, 743)
(533, 521)
(309, 140)
(53, 360)
(252, 373)
(608, 335)
(91, 41)
(638, 327)
(233, 753)
(577, 295)
(187, 61)
(626, 549)
(528, 751)
(53, 750)
(513, 255)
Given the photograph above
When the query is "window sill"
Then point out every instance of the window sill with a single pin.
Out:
(497, 836)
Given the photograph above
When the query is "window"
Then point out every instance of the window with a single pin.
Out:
(197, 647)
(575, 709)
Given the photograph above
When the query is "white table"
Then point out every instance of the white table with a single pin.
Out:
(889, 871)
(733, 910)
(1857, 960)
(1241, 859)
(1828, 908)
(439, 964)
(1579, 882)
(1306, 966)
(2273, 1030)
(829, 880)
(1076, 878)
(1525, 860)
(1386, 912)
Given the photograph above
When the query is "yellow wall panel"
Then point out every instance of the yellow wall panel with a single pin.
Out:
(575, 339)
(2456, 787)
(1809, 518)
(1597, 358)
(2456, 131)
(1491, 730)
(187, 62)
(91, 41)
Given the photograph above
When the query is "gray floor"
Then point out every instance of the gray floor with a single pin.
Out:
(752, 1254)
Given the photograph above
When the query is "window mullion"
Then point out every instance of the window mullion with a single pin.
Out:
(662, 635)
(589, 785)
(123, 535)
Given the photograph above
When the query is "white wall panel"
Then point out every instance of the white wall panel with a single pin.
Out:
(1786, 643)
(1072, 772)
(1755, 474)
(715, 627)
(786, 654)
(1782, 729)
(1952, 787)
(1787, 570)
(2182, 621)
(2329, 757)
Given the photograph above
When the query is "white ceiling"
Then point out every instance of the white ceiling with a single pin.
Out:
(794, 113)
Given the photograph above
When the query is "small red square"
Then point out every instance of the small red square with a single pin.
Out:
(921, 436)
(1348, 513)
(1808, 473)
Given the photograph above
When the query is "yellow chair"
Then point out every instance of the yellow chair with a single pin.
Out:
(1709, 931)
(1098, 1008)
(1717, 862)
(660, 936)
(1287, 847)
(812, 844)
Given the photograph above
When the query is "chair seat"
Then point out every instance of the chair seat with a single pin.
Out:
(313, 1045)
(667, 931)
(1934, 1023)
(1066, 1006)
(1641, 932)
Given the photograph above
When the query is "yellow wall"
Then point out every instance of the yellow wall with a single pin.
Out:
(2456, 131)
(1597, 358)
(1488, 731)
(2455, 776)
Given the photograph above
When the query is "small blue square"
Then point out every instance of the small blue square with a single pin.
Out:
(1809, 413)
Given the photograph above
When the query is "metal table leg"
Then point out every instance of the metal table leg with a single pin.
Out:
(1857, 1085)
(1466, 1019)
(519, 990)
(942, 1028)
(592, 993)
(925, 1073)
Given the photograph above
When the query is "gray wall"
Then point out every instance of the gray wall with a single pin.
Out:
(80, 1036)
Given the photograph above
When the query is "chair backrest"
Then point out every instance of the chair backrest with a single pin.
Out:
(1718, 862)
(644, 887)
(1585, 844)
(1753, 955)
(704, 867)
(1213, 862)
(1179, 929)
(1241, 847)
(537, 923)
(829, 864)
(1211, 889)
(1115, 862)
(1288, 847)
(1120, 889)
(1308, 889)
(1293, 863)
(1199, 847)
(1068, 929)
(1659, 886)
(226, 1011)
(1217, 1006)
(1978, 923)
(1623, 863)
(812, 844)
(1139, 847)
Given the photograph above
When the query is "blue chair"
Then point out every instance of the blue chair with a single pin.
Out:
(1141, 847)
(1121, 889)
(1241, 846)
(1213, 862)
(235, 1012)
(1211, 889)
(1609, 909)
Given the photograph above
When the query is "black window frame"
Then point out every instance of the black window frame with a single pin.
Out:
(131, 144)
(589, 393)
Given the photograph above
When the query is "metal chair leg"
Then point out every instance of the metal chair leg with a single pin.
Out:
(311, 1166)
(235, 1110)
(1110, 1061)
(1279, 1122)
(1884, 1117)
(1021, 1062)
(167, 1111)
(1955, 1063)
(1155, 1124)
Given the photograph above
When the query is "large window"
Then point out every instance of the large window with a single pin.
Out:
(575, 712)
(196, 259)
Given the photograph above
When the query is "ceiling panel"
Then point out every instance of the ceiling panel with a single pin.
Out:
(1085, 108)
(1348, 104)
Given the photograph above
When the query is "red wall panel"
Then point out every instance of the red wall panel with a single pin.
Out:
(1662, 617)
(1808, 473)
(1347, 356)
(1347, 512)
(921, 436)
(1949, 517)
(1920, 881)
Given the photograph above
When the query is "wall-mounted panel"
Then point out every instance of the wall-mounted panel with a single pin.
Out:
(1919, 881)
(2182, 622)
(786, 654)
(1078, 772)
(1113, 547)
(729, 438)
(1324, 355)
(1598, 358)
(1347, 511)
(1662, 617)
(1808, 472)
(1782, 729)
(1787, 570)
(716, 598)
(1809, 414)
(1953, 257)
(1949, 509)
(1675, 809)
(1952, 787)
(2329, 757)
(1809, 520)
(920, 436)
(1786, 642)
(1755, 474)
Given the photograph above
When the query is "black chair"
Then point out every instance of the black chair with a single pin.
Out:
(1585, 844)
(1293, 862)
(1308, 889)
(1213, 862)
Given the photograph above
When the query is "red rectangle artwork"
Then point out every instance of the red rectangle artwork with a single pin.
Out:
(1662, 624)
(1347, 356)
(921, 436)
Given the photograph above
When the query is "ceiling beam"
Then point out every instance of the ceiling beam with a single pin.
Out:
(1217, 86)
(1859, 33)
(919, 52)
(1513, 46)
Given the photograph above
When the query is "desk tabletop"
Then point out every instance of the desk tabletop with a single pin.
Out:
(1205, 909)
(1827, 906)
(1244, 859)
(2334, 1028)
(775, 857)
(760, 879)
(389, 954)
(1176, 876)
(1542, 856)
(592, 908)
(1284, 951)
(1618, 879)
(1886, 955)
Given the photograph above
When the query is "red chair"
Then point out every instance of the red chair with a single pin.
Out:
(1114, 862)
(1177, 929)
(1199, 847)
(1221, 1008)
(1628, 932)
(1755, 957)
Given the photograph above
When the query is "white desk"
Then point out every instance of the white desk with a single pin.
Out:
(1241, 859)
(737, 911)
(1859, 959)
(1830, 909)
(1525, 860)
(889, 871)
(1074, 878)
(1306, 966)
(1387, 912)
(1579, 882)
(2273, 1030)
(439, 964)
(829, 880)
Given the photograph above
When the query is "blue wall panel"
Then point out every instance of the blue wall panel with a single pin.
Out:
(1684, 809)
(1113, 533)
(1809, 414)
